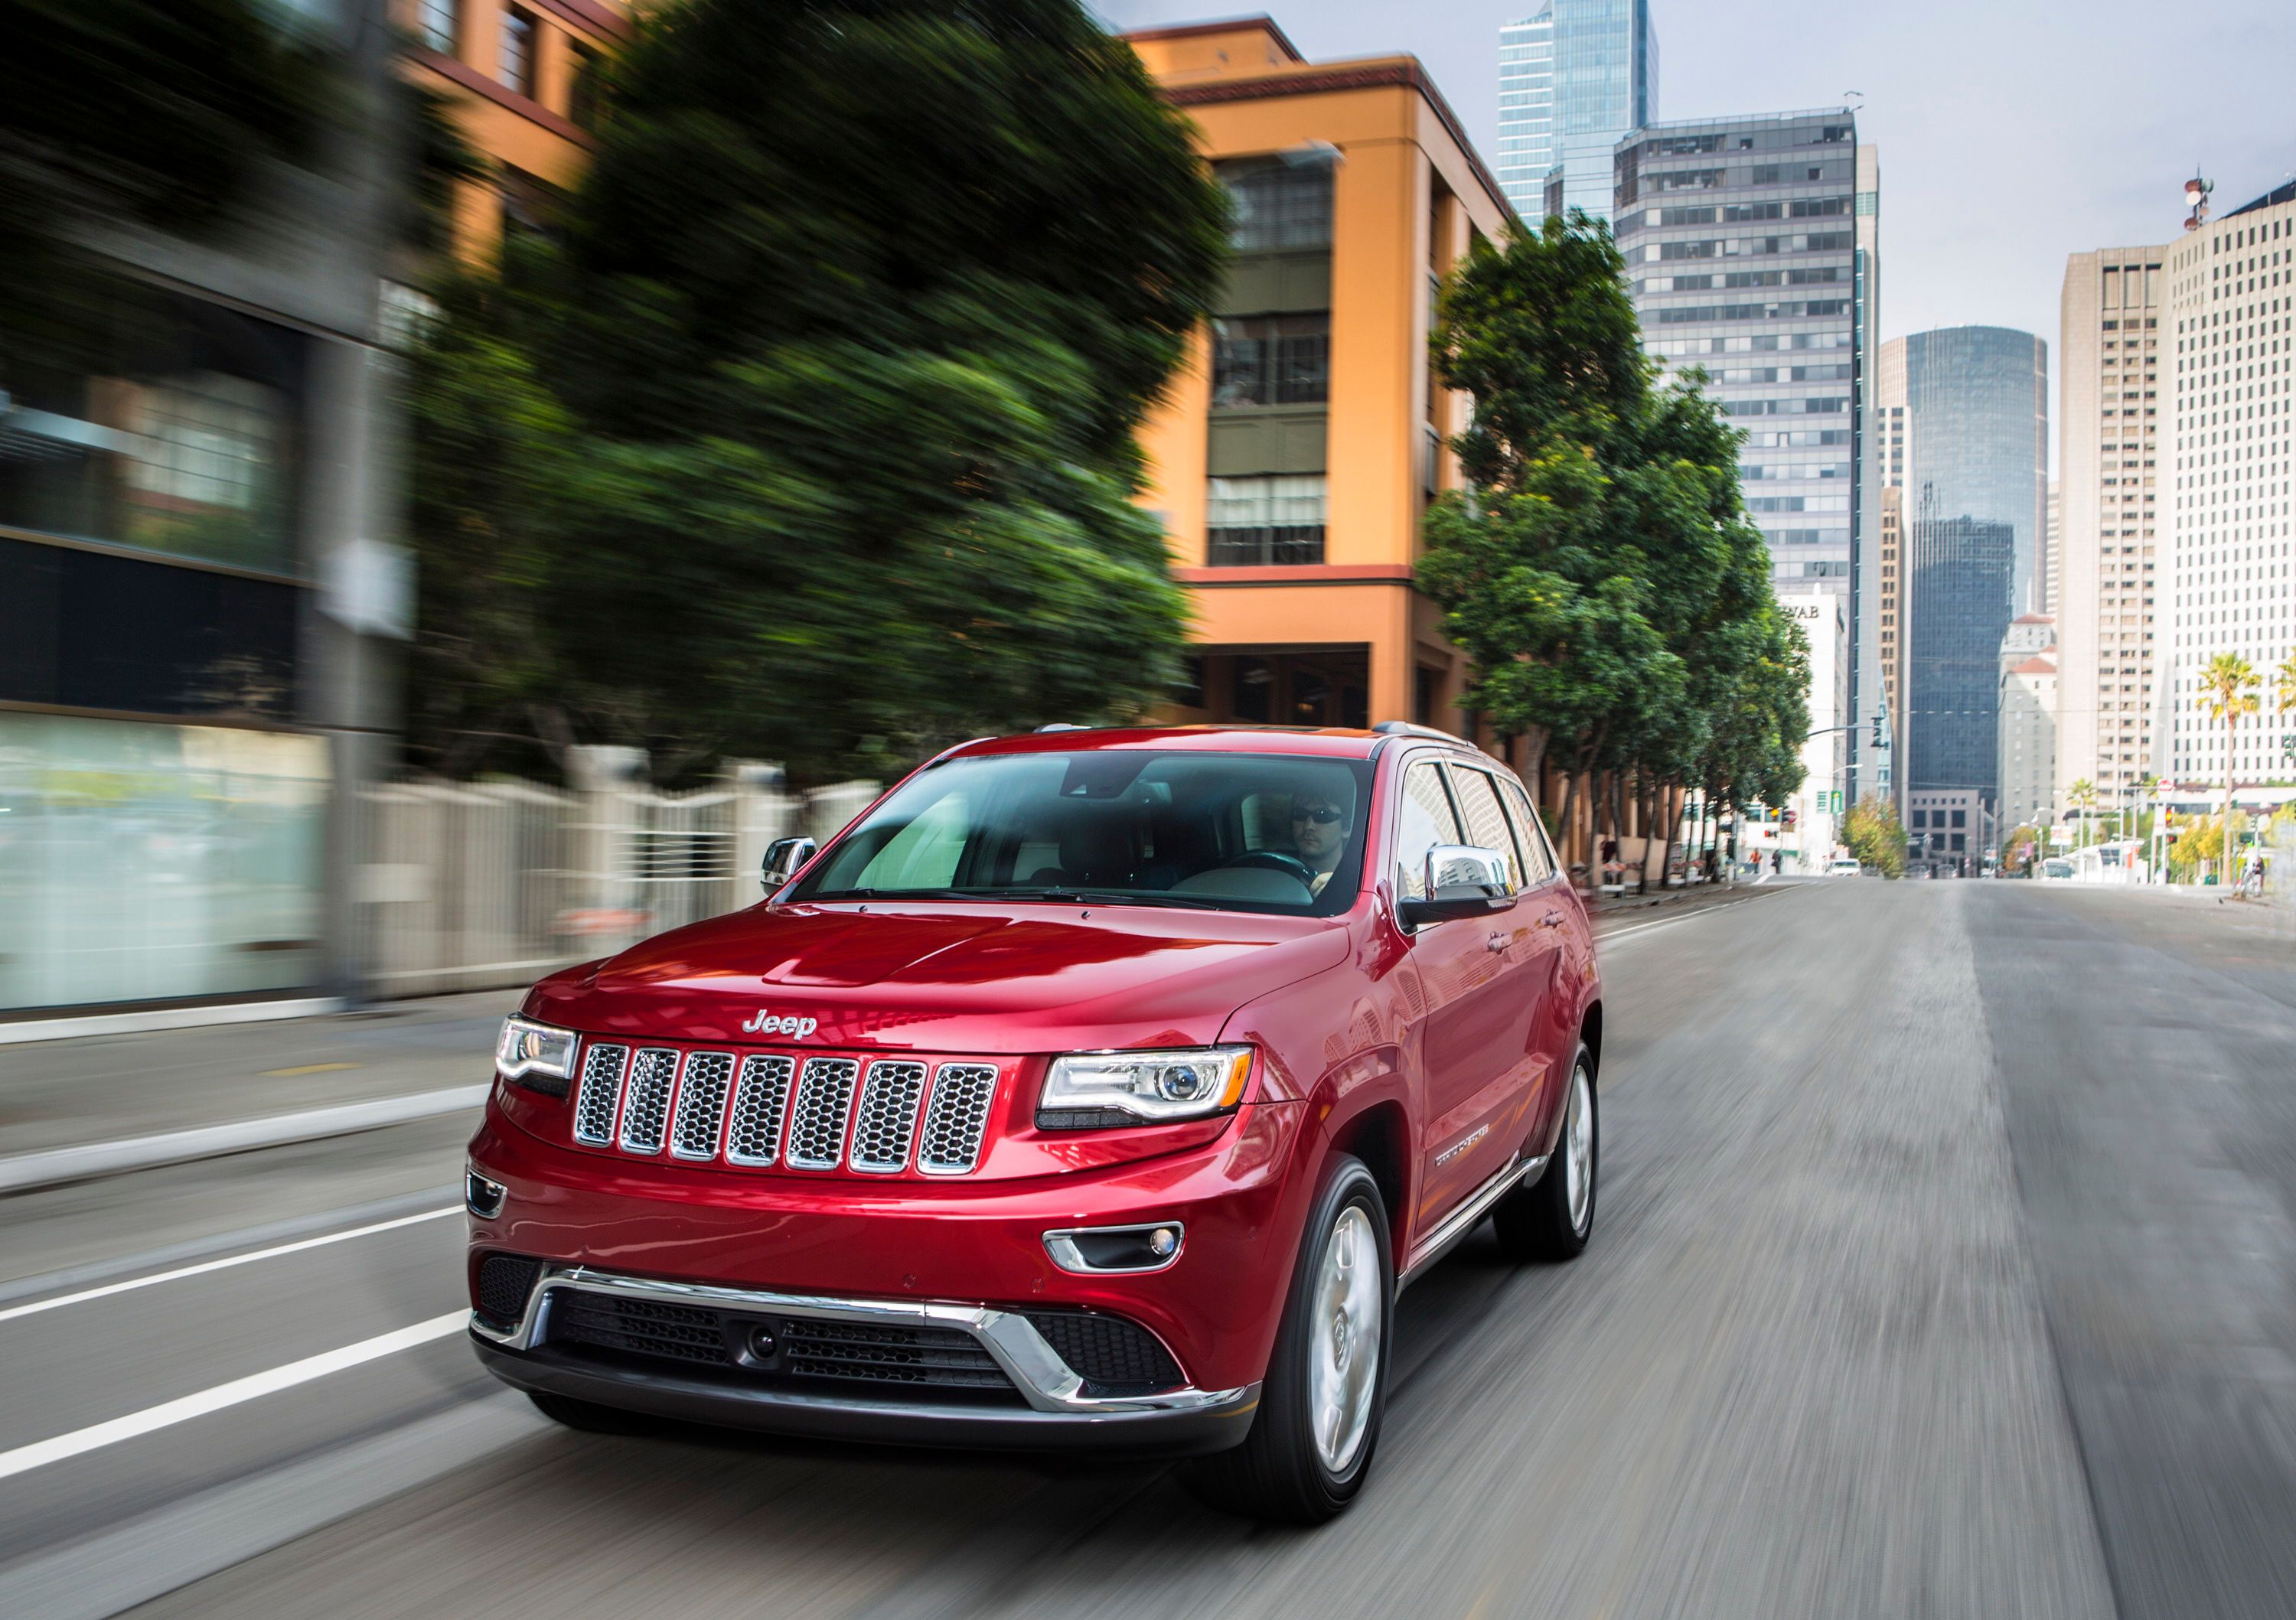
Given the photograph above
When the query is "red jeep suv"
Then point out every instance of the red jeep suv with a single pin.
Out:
(1092, 1087)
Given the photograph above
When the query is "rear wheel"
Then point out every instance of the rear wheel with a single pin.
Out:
(592, 1418)
(1553, 1218)
(1320, 1406)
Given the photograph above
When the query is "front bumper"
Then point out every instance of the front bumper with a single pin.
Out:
(1059, 1412)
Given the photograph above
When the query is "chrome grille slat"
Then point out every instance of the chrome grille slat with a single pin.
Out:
(818, 1113)
(645, 1100)
(698, 1119)
(753, 1134)
(599, 1102)
(885, 1119)
(957, 1118)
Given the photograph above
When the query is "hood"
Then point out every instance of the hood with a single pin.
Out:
(943, 978)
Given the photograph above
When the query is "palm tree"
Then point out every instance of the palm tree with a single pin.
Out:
(2082, 797)
(2228, 691)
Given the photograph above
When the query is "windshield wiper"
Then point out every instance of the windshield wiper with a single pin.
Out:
(1097, 897)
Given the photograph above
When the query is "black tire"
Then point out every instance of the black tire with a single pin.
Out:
(591, 1417)
(1278, 1474)
(1536, 1223)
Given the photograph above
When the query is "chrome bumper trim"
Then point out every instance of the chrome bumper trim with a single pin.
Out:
(1046, 1382)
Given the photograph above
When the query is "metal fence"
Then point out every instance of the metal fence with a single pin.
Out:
(474, 885)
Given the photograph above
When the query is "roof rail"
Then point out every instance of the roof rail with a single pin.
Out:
(1062, 725)
(1405, 728)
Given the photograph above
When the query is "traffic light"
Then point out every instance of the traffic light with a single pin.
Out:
(1877, 731)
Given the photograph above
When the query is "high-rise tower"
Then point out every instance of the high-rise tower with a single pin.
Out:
(1574, 77)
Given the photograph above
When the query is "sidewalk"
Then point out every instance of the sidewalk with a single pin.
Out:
(302, 1078)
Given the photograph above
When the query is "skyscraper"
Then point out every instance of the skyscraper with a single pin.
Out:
(1751, 254)
(2109, 423)
(1975, 503)
(1574, 77)
(2230, 567)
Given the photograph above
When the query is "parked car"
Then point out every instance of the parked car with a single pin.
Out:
(1092, 1089)
(1844, 867)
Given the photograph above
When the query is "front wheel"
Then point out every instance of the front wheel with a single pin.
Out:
(1553, 1217)
(1320, 1406)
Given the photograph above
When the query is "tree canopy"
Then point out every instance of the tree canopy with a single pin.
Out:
(1599, 570)
(828, 395)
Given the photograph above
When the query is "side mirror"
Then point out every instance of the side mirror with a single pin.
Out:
(783, 856)
(1461, 881)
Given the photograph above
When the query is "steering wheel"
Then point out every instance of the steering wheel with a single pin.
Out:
(1275, 859)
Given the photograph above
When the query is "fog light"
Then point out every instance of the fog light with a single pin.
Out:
(1085, 1249)
(482, 1197)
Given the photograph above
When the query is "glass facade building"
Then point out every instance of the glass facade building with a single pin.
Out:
(1751, 251)
(1574, 77)
(1976, 483)
(1957, 594)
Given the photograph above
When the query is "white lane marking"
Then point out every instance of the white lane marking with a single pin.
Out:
(205, 1267)
(1666, 922)
(254, 1386)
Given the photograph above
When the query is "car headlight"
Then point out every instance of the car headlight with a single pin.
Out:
(1094, 1090)
(538, 1056)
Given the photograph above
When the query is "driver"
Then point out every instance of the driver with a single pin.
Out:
(1320, 825)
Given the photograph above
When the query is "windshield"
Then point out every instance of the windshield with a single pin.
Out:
(1225, 831)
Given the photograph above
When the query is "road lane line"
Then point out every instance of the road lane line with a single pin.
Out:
(117, 1568)
(205, 1267)
(96, 1436)
(1607, 935)
(213, 1245)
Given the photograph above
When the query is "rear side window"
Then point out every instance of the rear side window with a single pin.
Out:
(1539, 857)
(1427, 822)
(1487, 821)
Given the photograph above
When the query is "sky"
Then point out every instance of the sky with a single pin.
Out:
(2012, 134)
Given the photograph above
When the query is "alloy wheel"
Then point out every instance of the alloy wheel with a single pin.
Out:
(1343, 1348)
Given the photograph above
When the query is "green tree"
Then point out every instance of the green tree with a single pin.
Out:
(855, 313)
(1599, 570)
(2227, 690)
(2082, 797)
(1875, 836)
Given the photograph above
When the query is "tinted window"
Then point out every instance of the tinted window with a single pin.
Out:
(1427, 822)
(1487, 822)
(1530, 831)
(1114, 826)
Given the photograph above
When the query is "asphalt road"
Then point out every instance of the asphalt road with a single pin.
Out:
(1944, 1266)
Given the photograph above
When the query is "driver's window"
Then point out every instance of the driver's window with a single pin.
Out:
(1427, 822)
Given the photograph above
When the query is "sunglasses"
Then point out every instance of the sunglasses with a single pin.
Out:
(1322, 816)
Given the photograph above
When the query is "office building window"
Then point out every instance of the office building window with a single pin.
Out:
(1261, 521)
(436, 22)
(1279, 205)
(515, 69)
(159, 422)
(1260, 360)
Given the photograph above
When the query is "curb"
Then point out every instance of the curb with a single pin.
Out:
(19, 1031)
(51, 1167)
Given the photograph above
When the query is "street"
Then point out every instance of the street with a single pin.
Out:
(1943, 1266)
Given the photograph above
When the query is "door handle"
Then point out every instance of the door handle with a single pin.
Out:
(1496, 942)
(1552, 920)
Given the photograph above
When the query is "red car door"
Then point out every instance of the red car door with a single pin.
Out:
(1529, 952)
(1468, 1019)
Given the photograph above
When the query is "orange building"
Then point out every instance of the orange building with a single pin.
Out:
(1293, 455)
(517, 77)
